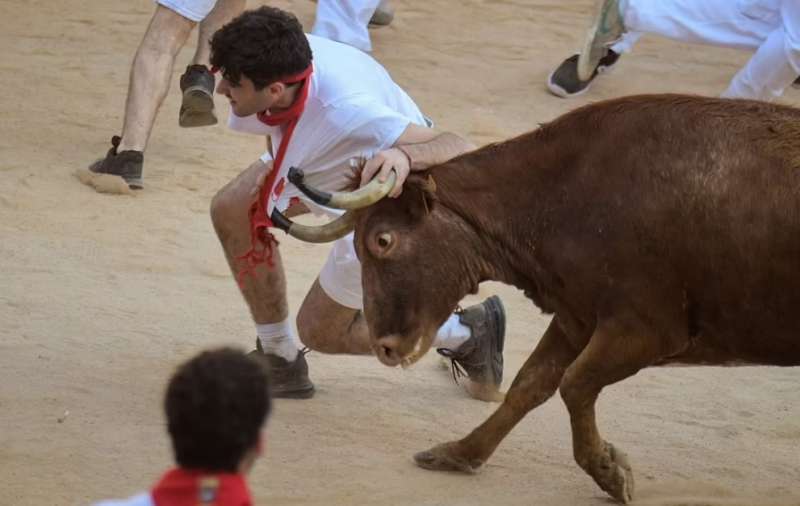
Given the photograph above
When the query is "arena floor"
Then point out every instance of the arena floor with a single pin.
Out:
(101, 296)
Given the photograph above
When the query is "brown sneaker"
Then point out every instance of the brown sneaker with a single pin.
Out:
(288, 380)
(197, 107)
(126, 164)
(481, 356)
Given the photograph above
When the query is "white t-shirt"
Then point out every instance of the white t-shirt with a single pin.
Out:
(353, 109)
(143, 499)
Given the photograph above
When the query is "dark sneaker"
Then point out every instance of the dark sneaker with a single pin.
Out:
(606, 28)
(796, 83)
(126, 164)
(197, 107)
(481, 356)
(383, 14)
(288, 380)
(563, 81)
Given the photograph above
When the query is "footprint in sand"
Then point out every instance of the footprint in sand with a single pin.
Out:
(103, 183)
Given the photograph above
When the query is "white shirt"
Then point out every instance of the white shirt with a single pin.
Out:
(353, 109)
(143, 499)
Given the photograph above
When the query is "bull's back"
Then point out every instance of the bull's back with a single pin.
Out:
(692, 207)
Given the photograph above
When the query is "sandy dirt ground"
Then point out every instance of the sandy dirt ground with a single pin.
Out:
(101, 296)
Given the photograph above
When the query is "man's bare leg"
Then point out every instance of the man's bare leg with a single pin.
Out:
(327, 326)
(150, 75)
(148, 84)
(264, 290)
(223, 11)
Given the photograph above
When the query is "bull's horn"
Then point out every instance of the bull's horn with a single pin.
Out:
(363, 197)
(328, 232)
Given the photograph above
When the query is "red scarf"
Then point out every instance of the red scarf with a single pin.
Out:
(181, 487)
(261, 239)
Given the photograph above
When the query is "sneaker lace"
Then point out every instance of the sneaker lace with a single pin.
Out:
(456, 368)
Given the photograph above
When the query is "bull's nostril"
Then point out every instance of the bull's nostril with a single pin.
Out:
(388, 352)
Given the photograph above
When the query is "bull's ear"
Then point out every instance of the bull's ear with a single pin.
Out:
(422, 186)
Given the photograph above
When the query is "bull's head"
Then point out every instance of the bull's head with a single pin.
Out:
(417, 259)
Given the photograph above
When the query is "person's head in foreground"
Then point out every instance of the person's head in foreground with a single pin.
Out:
(216, 406)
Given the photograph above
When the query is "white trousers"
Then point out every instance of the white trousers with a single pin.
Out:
(345, 21)
(771, 28)
(195, 10)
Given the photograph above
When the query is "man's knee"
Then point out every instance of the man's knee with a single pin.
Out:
(227, 212)
(313, 329)
(322, 323)
(230, 206)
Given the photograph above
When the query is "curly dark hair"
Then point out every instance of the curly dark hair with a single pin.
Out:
(216, 404)
(263, 44)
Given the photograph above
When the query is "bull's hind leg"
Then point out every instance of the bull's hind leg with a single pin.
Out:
(616, 351)
(535, 383)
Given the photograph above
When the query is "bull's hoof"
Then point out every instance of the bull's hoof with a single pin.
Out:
(445, 457)
(615, 475)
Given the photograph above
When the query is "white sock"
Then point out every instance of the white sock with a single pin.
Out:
(452, 334)
(278, 339)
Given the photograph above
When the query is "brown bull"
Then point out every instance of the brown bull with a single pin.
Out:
(656, 229)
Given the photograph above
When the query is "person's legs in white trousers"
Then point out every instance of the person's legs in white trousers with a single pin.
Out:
(776, 63)
(626, 43)
(345, 22)
(771, 28)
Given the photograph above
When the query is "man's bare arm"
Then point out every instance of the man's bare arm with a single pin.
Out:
(416, 149)
(438, 150)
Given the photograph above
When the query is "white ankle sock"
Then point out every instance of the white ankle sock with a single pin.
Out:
(452, 334)
(278, 339)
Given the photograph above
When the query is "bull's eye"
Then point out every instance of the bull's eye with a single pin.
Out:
(384, 240)
(382, 244)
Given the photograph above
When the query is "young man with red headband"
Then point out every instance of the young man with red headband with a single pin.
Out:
(317, 115)
(216, 405)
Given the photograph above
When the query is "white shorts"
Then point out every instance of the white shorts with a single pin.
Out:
(196, 10)
(340, 277)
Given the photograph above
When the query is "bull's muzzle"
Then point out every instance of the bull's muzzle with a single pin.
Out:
(350, 201)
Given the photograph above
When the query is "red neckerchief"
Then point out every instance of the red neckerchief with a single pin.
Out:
(181, 487)
(259, 220)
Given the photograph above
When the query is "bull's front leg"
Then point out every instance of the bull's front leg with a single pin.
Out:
(535, 382)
